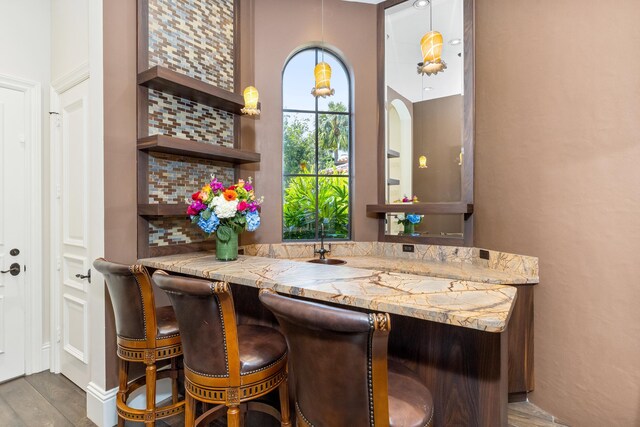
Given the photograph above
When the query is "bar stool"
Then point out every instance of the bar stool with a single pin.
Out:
(146, 334)
(224, 363)
(339, 366)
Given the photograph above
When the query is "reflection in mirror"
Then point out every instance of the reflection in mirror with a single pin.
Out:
(415, 225)
(424, 120)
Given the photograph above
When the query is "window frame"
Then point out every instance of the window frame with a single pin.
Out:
(317, 113)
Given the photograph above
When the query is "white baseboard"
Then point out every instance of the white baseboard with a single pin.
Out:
(46, 357)
(101, 405)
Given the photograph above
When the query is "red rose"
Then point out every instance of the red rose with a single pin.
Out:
(242, 206)
(195, 196)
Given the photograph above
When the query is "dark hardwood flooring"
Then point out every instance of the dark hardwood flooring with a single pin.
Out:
(47, 399)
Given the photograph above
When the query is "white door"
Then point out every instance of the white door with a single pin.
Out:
(72, 232)
(12, 232)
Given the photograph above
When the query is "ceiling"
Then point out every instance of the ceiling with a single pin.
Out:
(405, 25)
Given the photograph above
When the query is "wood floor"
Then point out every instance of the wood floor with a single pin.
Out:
(47, 399)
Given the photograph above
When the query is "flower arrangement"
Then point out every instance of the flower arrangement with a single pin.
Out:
(227, 212)
(409, 222)
(414, 199)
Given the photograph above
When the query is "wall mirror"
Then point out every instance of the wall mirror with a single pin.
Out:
(426, 121)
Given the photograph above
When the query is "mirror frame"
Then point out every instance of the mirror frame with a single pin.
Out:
(465, 206)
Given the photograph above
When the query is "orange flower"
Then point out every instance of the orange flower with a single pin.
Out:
(230, 195)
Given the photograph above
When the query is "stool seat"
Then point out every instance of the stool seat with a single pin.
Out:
(259, 347)
(410, 402)
(167, 322)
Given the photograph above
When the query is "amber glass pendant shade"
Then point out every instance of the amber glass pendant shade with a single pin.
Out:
(322, 73)
(422, 162)
(431, 46)
(251, 97)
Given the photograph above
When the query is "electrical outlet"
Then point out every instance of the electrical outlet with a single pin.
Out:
(484, 254)
(408, 248)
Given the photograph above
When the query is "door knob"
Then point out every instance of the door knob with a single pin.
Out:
(85, 276)
(14, 269)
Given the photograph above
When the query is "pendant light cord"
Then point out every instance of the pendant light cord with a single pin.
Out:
(322, 27)
(430, 15)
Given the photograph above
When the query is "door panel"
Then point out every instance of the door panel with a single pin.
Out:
(12, 232)
(73, 251)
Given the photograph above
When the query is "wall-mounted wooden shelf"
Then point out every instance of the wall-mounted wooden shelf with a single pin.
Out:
(392, 154)
(201, 150)
(177, 84)
(393, 181)
(162, 209)
(422, 208)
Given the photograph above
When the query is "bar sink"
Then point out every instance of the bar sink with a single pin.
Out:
(327, 261)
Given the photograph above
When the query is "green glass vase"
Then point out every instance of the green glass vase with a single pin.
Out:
(227, 251)
(409, 228)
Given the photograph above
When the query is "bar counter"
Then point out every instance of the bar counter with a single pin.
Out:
(451, 331)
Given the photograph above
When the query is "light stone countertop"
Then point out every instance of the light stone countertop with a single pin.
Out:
(444, 270)
(469, 304)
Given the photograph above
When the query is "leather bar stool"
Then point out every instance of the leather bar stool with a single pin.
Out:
(146, 334)
(224, 363)
(339, 368)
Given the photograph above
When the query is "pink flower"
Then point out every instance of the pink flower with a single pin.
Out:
(242, 206)
(248, 186)
(253, 206)
(195, 208)
(216, 185)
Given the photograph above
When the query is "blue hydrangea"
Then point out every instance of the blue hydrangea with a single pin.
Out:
(414, 219)
(209, 225)
(253, 221)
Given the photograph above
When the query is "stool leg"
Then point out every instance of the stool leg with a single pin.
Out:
(151, 393)
(123, 375)
(285, 415)
(174, 379)
(233, 416)
(189, 411)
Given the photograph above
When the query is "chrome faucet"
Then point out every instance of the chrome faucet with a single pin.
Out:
(322, 251)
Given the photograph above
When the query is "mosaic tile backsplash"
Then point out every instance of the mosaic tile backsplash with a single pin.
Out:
(193, 37)
(178, 117)
(173, 178)
(171, 231)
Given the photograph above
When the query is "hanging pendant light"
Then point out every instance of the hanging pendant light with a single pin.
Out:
(431, 47)
(251, 97)
(322, 71)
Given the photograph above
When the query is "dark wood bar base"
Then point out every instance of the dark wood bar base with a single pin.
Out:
(465, 369)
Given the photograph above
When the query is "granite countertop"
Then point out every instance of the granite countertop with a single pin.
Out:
(469, 304)
(445, 270)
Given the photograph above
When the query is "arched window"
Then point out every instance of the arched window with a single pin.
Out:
(316, 135)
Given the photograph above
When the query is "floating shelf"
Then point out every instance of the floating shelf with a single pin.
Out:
(422, 208)
(201, 150)
(392, 154)
(162, 209)
(393, 181)
(174, 83)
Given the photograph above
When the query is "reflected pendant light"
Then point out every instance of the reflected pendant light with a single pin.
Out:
(431, 47)
(422, 162)
(251, 101)
(322, 71)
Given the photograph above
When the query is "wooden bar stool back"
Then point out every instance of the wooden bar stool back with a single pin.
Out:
(224, 363)
(340, 369)
(145, 334)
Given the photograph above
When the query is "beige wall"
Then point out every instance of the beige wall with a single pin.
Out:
(280, 28)
(558, 177)
(119, 149)
(437, 134)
